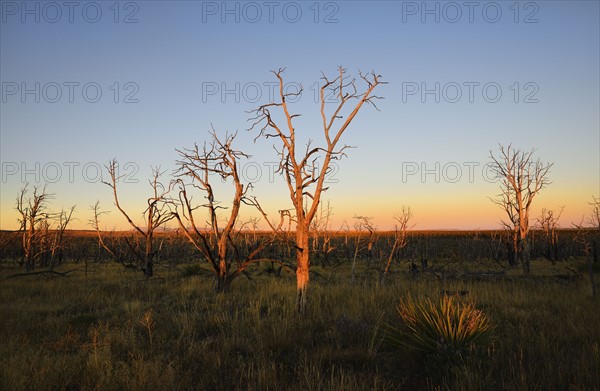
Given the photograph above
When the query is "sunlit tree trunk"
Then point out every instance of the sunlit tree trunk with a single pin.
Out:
(302, 267)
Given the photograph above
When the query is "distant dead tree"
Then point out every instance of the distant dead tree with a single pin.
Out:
(221, 159)
(32, 212)
(322, 244)
(362, 223)
(521, 178)
(156, 215)
(305, 170)
(56, 236)
(400, 234)
(588, 236)
(109, 241)
(594, 221)
(548, 223)
(41, 241)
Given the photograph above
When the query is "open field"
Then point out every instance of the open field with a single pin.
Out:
(111, 329)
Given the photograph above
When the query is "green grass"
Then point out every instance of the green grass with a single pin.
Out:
(111, 330)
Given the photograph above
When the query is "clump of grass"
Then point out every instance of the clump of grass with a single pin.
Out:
(191, 270)
(445, 329)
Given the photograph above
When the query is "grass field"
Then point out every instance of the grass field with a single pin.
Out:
(113, 330)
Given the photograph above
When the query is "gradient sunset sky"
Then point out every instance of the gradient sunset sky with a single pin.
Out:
(135, 80)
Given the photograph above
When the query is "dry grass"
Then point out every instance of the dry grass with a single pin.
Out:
(111, 331)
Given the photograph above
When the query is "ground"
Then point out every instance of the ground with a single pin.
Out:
(111, 329)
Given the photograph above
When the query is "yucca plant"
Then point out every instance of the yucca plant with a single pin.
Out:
(446, 328)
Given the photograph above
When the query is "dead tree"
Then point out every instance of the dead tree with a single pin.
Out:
(521, 178)
(40, 241)
(33, 212)
(581, 237)
(322, 244)
(360, 223)
(594, 221)
(221, 159)
(590, 245)
(305, 170)
(56, 236)
(400, 234)
(548, 223)
(113, 245)
(156, 216)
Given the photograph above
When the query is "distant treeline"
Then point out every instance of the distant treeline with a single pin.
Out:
(327, 247)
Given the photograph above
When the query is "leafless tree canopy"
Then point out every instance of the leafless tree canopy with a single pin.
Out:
(198, 165)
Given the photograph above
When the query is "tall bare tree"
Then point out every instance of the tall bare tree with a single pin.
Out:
(521, 178)
(156, 216)
(305, 170)
(221, 159)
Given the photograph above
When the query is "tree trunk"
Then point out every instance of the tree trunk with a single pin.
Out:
(148, 261)
(354, 262)
(525, 255)
(302, 267)
(148, 268)
(222, 277)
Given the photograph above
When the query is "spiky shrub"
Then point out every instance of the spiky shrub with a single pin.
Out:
(446, 329)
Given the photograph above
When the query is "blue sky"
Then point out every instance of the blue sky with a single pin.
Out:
(532, 70)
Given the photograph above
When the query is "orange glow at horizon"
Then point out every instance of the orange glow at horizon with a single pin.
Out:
(458, 211)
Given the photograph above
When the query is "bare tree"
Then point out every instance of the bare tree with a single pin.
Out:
(522, 178)
(40, 241)
(594, 221)
(33, 212)
(156, 216)
(361, 223)
(400, 233)
(221, 159)
(63, 218)
(590, 245)
(305, 171)
(322, 244)
(548, 223)
(116, 252)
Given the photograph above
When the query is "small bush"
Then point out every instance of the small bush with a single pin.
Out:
(446, 329)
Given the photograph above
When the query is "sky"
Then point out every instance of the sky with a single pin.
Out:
(85, 82)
